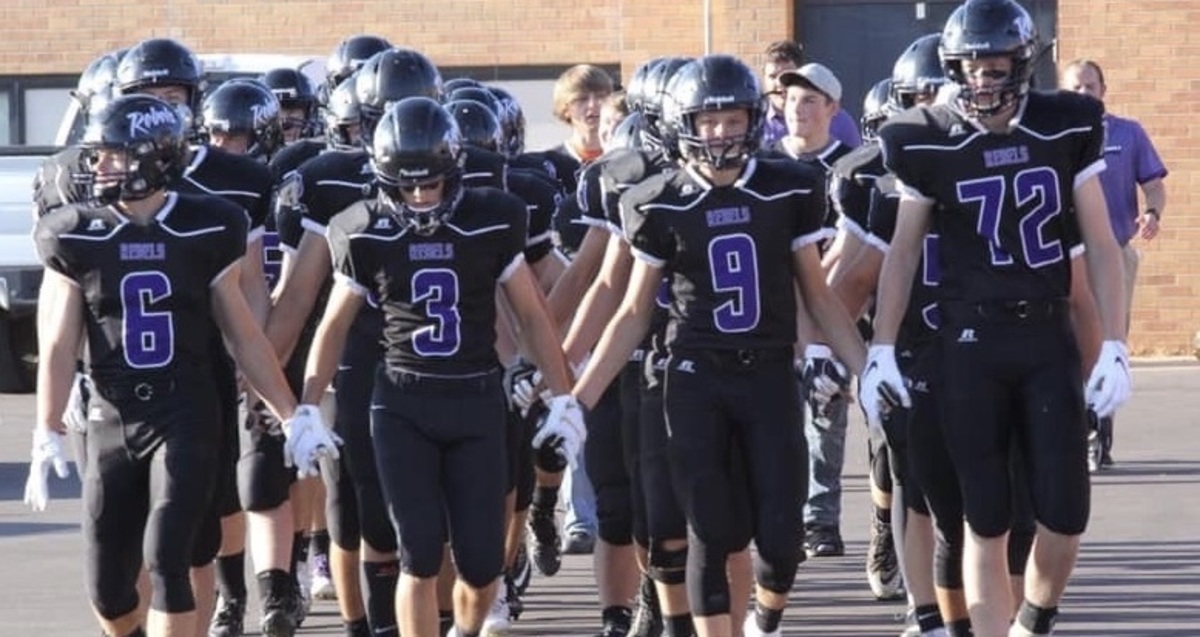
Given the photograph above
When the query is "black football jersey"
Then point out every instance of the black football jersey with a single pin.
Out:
(1004, 202)
(62, 179)
(568, 223)
(541, 197)
(483, 168)
(147, 288)
(291, 156)
(236, 178)
(851, 186)
(921, 321)
(436, 291)
(728, 250)
(324, 186)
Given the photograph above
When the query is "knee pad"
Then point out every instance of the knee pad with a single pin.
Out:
(480, 575)
(110, 605)
(341, 504)
(947, 562)
(424, 565)
(208, 539)
(775, 573)
(263, 481)
(374, 526)
(707, 579)
(172, 593)
(667, 566)
(614, 513)
(1020, 543)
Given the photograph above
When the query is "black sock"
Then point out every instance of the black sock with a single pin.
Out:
(545, 498)
(961, 628)
(319, 543)
(462, 632)
(137, 632)
(883, 515)
(274, 585)
(678, 626)
(1035, 619)
(299, 551)
(358, 628)
(380, 596)
(231, 576)
(928, 617)
(767, 619)
(620, 616)
(445, 622)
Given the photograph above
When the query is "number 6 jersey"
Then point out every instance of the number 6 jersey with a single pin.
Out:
(437, 290)
(1003, 202)
(147, 288)
(728, 250)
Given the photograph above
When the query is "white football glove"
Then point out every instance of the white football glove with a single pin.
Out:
(823, 377)
(529, 391)
(308, 440)
(881, 387)
(1109, 386)
(563, 428)
(47, 452)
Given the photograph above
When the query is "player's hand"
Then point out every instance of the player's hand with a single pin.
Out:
(1109, 386)
(563, 429)
(46, 452)
(881, 387)
(75, 415)
(528, 391)
(823, 378)
(308, 440)
(1149, 226)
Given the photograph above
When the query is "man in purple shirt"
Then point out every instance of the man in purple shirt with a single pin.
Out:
(1131, 162)
(782, 56)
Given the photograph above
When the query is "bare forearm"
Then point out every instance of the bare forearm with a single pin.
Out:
(895, 286)
(56, 372)
(839, 330)
(620, 338)
(258, 363)
(1155, 193)
(543, 346)
(1107, 277)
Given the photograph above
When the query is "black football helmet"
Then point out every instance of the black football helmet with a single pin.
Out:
(477, 94)
(97, 84)
(654, 90)
(630, 133)
(417, 141)
(455, 83)
(635, 91)
(150, 135)
(161, 62)
(390, 76)
(877, 107)
(343, 117)
(989, 28)
(918, 73)
(512, 121)
(293, 89)
(477, 122)
(712, 83)
(349, 56)
(245, 107)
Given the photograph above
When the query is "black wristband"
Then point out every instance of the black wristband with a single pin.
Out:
(1154, 213)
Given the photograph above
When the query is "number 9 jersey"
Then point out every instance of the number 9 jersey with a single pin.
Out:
(147, 287)
(1004, 203)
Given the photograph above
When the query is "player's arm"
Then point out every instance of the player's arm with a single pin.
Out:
(601, 300)
(539, 335)
(900, 266)
(569, 287)
(249, 346)
(547, 270)
(296, 294)
(1084, 318)
(623, 334)
(854, 282)
(60, 334)
(1103, 255)
(345, 299)
(254, 281)
(831, 316)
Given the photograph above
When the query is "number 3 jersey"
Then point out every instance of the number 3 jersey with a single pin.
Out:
(147, 288)
(728, 249)
(437, 290)
(1004, 203)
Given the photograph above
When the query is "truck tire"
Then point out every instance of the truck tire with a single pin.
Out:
(18, 354)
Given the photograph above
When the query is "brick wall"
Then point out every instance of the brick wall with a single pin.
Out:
(1151, 79)
(1149, 75)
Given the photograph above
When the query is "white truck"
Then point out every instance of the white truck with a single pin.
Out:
(20, 270)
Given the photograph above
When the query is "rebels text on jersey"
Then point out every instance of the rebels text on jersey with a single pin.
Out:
(147, 287)
(1003, 201)
(437, 291)
(728, 250)
(235, 178)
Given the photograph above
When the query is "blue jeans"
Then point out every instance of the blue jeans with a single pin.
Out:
(826, 454)
(580, 500)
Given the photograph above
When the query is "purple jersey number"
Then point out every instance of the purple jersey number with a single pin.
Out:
(734, 264)
(1037, 187)
(438, 289)
(149, 337)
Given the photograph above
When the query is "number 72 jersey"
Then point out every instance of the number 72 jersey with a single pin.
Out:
(147, 288)
(1003, 204)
